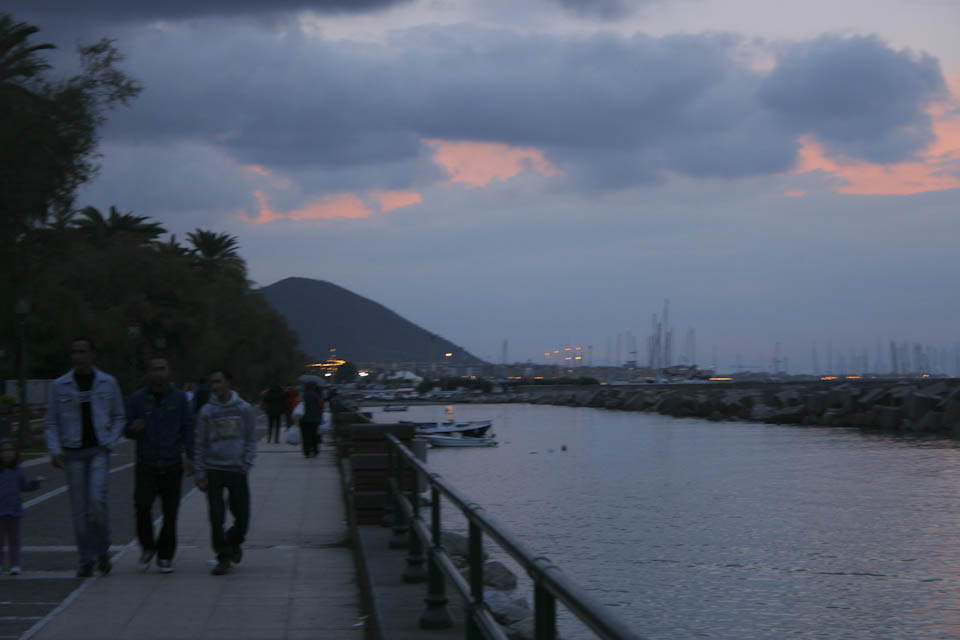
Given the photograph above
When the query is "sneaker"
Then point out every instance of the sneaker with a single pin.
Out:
(103, 564)
(85, 570)
(146, 557)
(164, 565)
(222, 568)
(237, 555)
(14, 571)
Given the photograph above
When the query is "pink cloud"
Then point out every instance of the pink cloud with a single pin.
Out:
(795, 193)
(390, 200)
(339, 205)
(936, 169)
(479, 163)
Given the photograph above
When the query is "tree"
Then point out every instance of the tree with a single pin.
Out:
(48, 129)
(214, 251)
(101, 230)
(347, 372)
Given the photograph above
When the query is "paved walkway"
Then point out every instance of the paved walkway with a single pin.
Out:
(297, 578)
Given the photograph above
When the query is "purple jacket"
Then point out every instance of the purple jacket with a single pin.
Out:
(12, 482)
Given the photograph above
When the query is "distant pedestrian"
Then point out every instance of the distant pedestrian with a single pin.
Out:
(84, 420)
(160, 420)
(312, 417)
(12, 482)
(275, 405)
(226, 445)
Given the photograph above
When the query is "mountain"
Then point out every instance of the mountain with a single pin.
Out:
(327, 316)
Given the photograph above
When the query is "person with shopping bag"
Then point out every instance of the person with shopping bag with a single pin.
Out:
(312, 416)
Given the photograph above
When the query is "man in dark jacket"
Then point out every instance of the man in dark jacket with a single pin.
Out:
(160, 419)
(275, 405)
(312, 417)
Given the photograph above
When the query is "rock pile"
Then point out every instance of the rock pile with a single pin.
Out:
(918, 406)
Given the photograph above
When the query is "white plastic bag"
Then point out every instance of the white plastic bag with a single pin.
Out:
(293, 435)
(299, 410)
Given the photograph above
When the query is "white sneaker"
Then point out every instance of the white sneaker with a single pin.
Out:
(14, 571)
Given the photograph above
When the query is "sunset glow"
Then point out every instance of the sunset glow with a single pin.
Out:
(339, 205)
(936, 169)
(477, 164)
(390, 200)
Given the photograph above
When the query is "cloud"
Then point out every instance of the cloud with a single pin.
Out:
(124, 11)
(936, 168)
(478, 163)
(337, 205)
(595, 113)
(861, 98)
(390, 200)
(605, 9)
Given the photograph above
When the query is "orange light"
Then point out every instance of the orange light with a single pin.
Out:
(828, 378)
(713, 379)
(853, 377)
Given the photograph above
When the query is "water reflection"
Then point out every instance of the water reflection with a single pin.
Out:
(728, 530)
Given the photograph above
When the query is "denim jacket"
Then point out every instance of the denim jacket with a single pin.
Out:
(63, 424)
(167, 432)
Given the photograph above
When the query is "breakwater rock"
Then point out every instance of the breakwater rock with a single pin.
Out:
(928, 406)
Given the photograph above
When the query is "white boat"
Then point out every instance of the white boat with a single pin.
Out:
(473, 428)
(460, 441)
(395, 407)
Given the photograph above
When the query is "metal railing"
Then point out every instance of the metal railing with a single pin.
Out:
(411, 532)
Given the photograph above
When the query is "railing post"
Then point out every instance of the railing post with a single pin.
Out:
(415, 572)
(475, 562)
(399, 539)
(435, 616)
(387, 520)
(544, 613)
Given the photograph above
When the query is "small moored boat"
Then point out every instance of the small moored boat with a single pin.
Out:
(460, 441)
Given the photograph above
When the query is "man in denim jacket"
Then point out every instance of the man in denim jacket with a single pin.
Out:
(84, 420)
(160, 419)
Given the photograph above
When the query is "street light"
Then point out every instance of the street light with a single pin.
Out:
(22, 310)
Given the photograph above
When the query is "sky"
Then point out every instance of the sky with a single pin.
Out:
(549, 172)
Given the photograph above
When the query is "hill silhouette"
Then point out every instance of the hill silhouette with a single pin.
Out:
(328, 316)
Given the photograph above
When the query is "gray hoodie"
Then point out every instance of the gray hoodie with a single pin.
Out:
(226, 436)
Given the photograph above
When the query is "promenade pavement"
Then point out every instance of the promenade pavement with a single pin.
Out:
(297, 578)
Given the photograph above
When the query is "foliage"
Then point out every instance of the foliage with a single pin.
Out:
(48, 128)
(110, 277)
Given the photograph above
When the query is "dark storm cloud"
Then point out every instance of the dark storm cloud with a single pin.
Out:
(609, 111)
(861, 98)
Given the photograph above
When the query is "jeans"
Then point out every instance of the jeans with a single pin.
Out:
(149, 483)
(273, 421)
(238, 491)
(308, 438)
(88, 477)
(10, 530)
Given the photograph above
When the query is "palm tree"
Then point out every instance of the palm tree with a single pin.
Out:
(217, 251)
(102, 229)
(211, 247)
(19, 63)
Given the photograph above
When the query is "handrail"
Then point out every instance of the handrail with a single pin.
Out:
(550, 584)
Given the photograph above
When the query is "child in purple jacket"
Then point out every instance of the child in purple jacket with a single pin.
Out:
(12, 482)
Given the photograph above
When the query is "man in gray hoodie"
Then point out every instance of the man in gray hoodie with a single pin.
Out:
(225, 445)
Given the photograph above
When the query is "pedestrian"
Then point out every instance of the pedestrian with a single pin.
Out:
(226, 445)
(312, 417)
(160, 420)
(83, 423)
(275, 405)
(12, 482)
